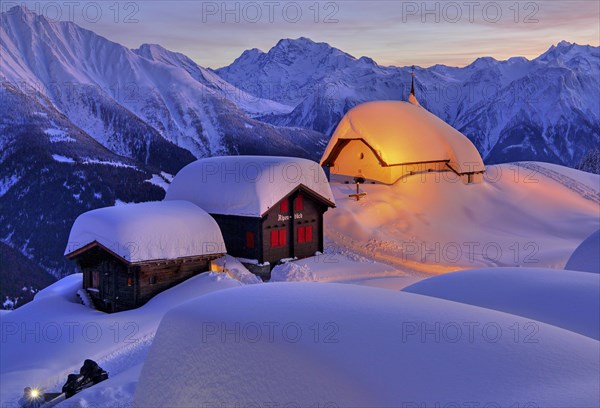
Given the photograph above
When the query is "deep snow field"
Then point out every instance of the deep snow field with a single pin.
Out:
(375, 321)
(521, 215)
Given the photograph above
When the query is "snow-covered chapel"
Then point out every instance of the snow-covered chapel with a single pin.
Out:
(387, 140)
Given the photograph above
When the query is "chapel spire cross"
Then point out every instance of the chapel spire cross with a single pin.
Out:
(412, 88)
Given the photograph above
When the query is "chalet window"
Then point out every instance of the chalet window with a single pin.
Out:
(96, 279)
(278, 238)
(249, 239)
(298, 203)
(284, 207)
(309, 233)
(301, 234)
(129, 280)
(152, 280)
(305, 234)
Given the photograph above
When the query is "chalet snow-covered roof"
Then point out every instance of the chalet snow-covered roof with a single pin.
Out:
(148, 231)
(246, 185)
(402, 132)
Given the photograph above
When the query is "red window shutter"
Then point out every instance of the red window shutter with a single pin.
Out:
(249, 239)
(274, 238)
(298, 203)
(284, 207)
(309, 234)
(301, 234)
(282, 237)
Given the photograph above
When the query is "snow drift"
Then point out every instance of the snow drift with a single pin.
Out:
(586, 256)
(311, 344)
(431, 222)
(565, 299)
(47, 339)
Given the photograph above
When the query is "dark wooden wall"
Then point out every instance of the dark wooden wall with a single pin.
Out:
(270, 222)
(234, 230)
(147, 279)
(109, 268)
(165, 274)
(310, 215)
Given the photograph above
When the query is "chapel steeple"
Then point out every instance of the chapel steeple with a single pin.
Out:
(412, 98)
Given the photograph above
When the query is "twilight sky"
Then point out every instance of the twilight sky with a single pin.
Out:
(394, 32)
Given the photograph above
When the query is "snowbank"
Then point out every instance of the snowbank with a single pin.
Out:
(586, 256)
(66, 289)
(149, 231)
(340, 266)
(245, 185)
(401, 132)
(51, 336)
(433, 223)
(235, 269)
(566, 299)
(304, 344)
(292, 272)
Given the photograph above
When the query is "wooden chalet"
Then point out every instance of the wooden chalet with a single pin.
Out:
(124, 272)
(292, 228)
(264, 217)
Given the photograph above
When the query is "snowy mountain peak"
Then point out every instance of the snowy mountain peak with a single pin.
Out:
(367, 60)
(483, 62)
(155, 52)
(250, 54)
(21, 18)
(288, 66)
(303, 47)
(564, 43)
(21, 11)
(297, 42)
(17, 16)
(517, 60)
(565, 51)
(151, 49)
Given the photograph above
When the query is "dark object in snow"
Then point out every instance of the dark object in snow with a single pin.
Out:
(358, 194)
(33, 398)
(89, 374)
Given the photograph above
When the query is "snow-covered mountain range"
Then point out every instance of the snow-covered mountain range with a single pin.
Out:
(102, 86)
(546, 109)
(86, 122)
